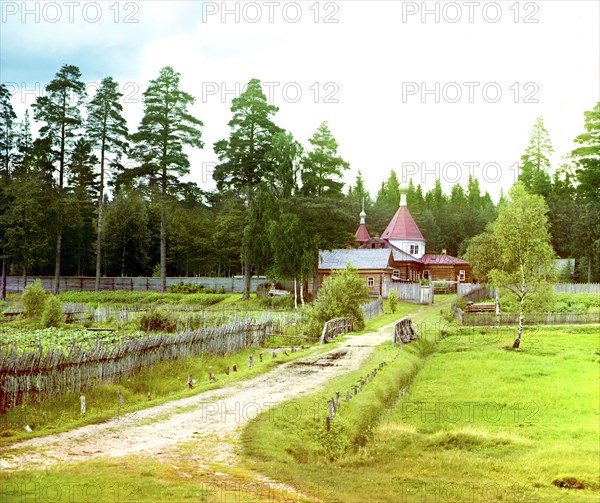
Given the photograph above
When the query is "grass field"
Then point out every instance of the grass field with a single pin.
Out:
(480, 423)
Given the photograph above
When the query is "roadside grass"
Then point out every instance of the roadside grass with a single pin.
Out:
(165, 382)
(139, 479)
(480, 423)
(125, 479)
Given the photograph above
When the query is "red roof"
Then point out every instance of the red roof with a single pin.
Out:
(442, 259)
(402, 227)
(362, 234)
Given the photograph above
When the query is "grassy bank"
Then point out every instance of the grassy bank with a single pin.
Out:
(480, 423)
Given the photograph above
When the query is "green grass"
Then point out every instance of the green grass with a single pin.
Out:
(119, 480)
(123, 297)
(481, 423)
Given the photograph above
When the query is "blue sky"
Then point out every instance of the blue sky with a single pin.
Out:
(404, 88)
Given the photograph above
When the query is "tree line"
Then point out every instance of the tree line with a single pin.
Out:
(87, 196)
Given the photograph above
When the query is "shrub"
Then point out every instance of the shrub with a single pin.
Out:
(157, 321)
(53, 313)
(393, 301)
(34, 299)
(461, 303)
(186, 288)
(281, 302)
(341, 295)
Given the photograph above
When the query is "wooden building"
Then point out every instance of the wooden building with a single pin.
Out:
(399, 255)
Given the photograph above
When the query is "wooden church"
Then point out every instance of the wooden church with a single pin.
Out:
(399, 255)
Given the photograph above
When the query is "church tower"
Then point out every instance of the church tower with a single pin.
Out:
(362, 234)
(402, 231)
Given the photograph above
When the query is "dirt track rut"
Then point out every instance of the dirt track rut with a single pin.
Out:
(214, 418)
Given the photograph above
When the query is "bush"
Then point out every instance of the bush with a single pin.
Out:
(34, 299)
(53, 313)
(393, 301)
(341, 295)
(281, 302)
(461, 303)
(186, 288)
(157, 321)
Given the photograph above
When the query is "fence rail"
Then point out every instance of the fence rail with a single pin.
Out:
(233, 284)
(577, 288)
(35, 375)
(404, 332)
(372, 309)
(335, 327)
(489, 319)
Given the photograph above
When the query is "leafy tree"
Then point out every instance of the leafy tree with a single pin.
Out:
(166, 128)
(246, 159)
(393, 301)
(535, 162)
(34, 299)
(524, 266)
(483, 254)
(341, 295)
(126, 236)
(229, 214)
(323, 168)
(107, 130)
(284, 157)
(587, 160)
(53, 312)
(60, 109)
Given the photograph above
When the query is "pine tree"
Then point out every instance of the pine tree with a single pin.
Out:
(322, 167)
(7, 146)
(60, 109)
(107, 130)
(83, 192)
(245, 158)
(8, 131)
(166, 128)
(587, 160)
(535, 162)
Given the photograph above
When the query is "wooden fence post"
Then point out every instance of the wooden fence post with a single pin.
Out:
(120, 397)
(227, 370)
(82, 403)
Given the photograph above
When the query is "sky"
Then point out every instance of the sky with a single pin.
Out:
(432, 90)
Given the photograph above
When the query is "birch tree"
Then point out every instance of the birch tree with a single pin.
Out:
(524, 268)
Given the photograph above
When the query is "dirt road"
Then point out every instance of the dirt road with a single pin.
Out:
(213, 419)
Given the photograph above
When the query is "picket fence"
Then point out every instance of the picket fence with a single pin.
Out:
(577, 288)
(188, 315)
(36, 375)
(490, 319)
(372, 309)
(234, 284)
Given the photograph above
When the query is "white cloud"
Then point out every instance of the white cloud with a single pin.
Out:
(362, 63)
